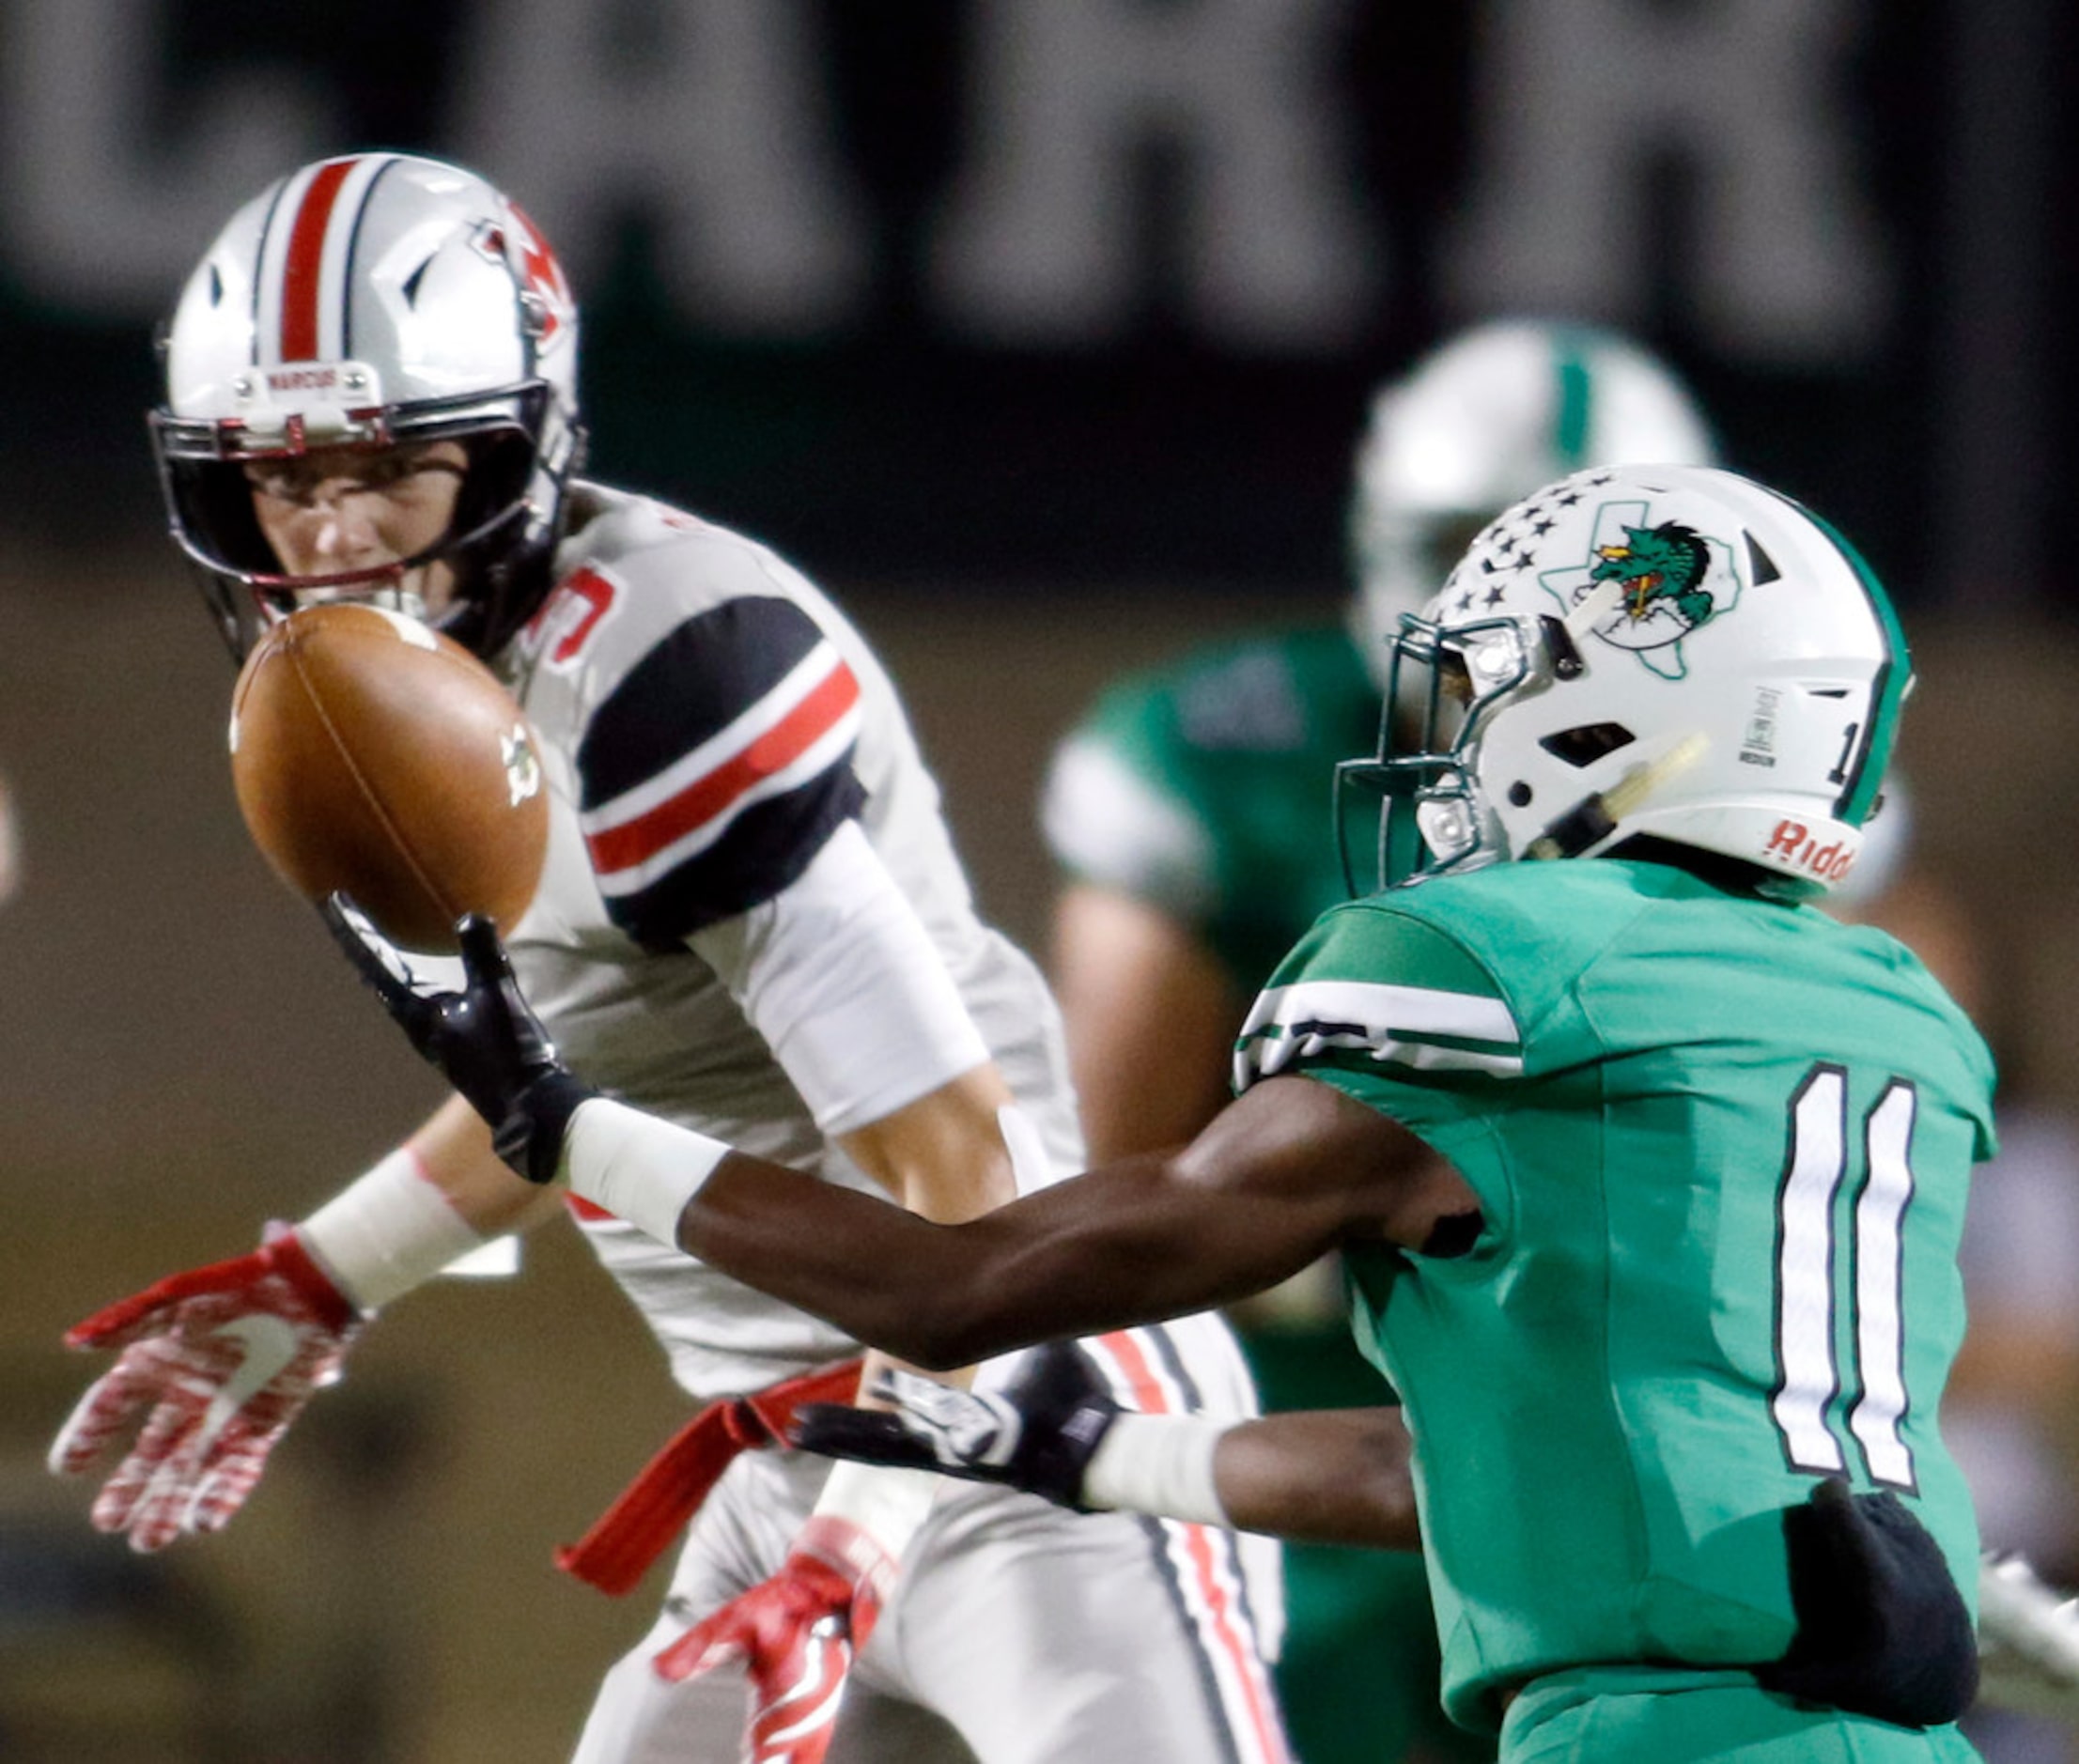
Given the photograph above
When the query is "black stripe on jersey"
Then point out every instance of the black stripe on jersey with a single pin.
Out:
(1165, 1347)
(689, 688)
(1224, 1543)
(767, 848)
(694, 683)
(1157, 1533)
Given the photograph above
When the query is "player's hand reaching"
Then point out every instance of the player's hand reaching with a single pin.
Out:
(214, 1365)
(1038, 1433)
(485, 1038)
(797, 1636)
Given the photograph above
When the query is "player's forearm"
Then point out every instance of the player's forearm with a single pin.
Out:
(943, 1156)
(1115, 1248)
(1132, 1244)
(437, 1196)
(1329, 1476)
(936, 1296)
(1333, 1476)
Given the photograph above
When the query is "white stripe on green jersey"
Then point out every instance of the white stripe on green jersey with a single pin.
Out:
(1421, 1027)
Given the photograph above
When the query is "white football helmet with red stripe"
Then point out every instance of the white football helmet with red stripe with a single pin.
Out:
(367, 301)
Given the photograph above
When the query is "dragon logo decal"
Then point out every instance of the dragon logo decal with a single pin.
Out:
(1672, 580)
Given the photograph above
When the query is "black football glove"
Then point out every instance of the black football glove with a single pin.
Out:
(1038, 1433)
(485, 1038)
(1882, 1628)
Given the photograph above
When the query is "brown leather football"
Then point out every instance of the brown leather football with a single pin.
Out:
(375, 756)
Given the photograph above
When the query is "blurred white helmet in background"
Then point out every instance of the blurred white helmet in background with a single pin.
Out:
(1484, 420)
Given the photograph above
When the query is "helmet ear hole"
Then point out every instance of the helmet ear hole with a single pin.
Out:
(1588, 742)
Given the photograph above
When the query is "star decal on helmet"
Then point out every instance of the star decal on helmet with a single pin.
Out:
(1669, 579)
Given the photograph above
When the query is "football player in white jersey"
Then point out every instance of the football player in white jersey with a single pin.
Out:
(752, 922)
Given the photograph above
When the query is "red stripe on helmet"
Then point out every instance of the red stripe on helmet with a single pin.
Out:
(306, 254)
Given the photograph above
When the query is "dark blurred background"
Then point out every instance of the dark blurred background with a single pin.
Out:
(1039, 331)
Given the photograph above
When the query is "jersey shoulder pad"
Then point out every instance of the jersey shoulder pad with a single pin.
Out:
(1176, 777)
(1381, 989)
(714, 751)
(1539, 927)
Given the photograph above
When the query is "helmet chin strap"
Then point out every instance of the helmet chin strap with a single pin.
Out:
(1595, 818)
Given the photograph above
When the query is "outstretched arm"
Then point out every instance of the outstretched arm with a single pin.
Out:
(1325, 1475)
(1292, 1168)
(1288, 1171)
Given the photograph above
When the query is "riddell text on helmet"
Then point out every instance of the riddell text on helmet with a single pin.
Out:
(1791, 842)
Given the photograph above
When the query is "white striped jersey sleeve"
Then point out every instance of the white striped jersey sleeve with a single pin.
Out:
(718, 766)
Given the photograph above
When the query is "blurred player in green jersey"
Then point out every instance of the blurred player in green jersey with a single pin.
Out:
(1190, 812)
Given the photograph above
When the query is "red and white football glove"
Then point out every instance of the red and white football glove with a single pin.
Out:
(799, 1633)
(797, 1636)
(215, 1364)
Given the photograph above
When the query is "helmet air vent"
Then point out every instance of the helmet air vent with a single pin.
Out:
(1760, 565)
(1588, 742)
(411, 283)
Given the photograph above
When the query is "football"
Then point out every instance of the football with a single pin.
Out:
(373, 755)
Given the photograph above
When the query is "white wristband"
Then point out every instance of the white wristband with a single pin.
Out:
(638, 1167)
(1159, 1463)
(387, 1232)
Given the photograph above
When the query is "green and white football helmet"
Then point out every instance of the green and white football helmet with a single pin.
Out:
(1484, 418)
(1672, 651)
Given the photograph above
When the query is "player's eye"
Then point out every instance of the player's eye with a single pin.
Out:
(302, 485)
(276, 486)
(420, 475)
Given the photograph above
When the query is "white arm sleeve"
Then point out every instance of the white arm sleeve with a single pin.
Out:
(839, 976)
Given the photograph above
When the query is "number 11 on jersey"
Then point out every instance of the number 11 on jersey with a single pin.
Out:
(1810, 1262)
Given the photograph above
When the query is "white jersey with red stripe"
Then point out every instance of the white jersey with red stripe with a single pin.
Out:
(707, 720)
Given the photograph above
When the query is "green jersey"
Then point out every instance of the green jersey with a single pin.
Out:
(1721, 1147)
(1206, 788)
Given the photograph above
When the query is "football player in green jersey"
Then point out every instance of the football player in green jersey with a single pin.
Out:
(1189, 813)
(1648, 1176)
